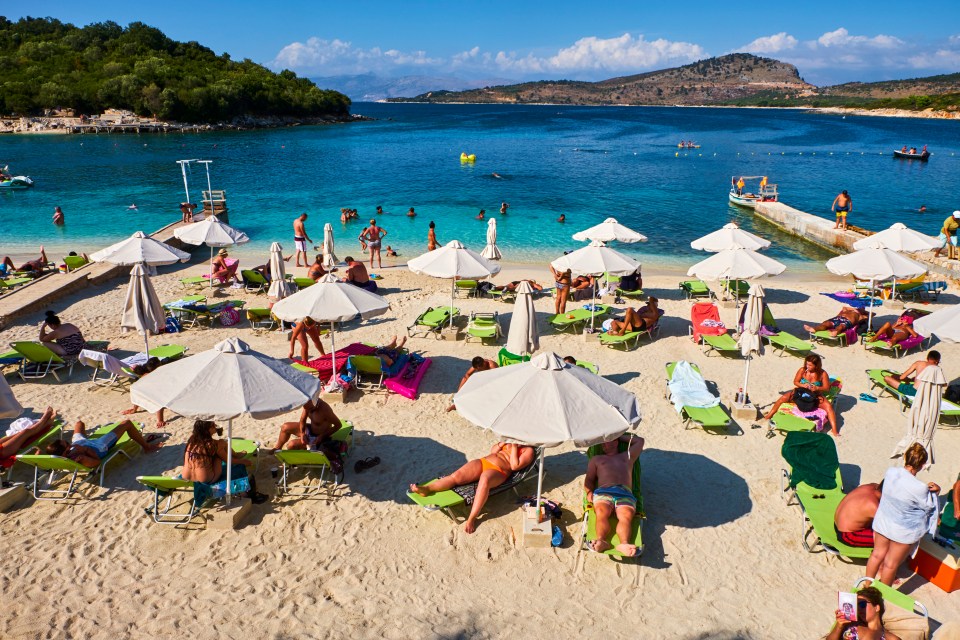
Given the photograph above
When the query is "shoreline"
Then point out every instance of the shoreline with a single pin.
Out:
(130, 123)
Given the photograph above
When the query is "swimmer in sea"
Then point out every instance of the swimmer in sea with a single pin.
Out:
(496, 175)
(923, 208)
(133, 206)
(503, 208)
(562, 218)
(411, 213)
(480, 216)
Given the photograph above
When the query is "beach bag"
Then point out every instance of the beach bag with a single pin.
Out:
(229, 316)
(805, 399)
(172, 325)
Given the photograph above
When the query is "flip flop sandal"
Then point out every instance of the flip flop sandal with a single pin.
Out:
(366, 463)
(866, 397)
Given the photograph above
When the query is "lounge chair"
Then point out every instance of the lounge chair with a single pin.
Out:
(573, 318)
(723, 344)
(483, 326)
(204, 315)
(465, 288)
(13, 283)
(505, 358)
(369, 372)
(896, 598)
(262, 319)
(303, 283)
(708, 418)
(253, 281)
(166, 489)
(311, 461)
(54, 433)
(588, 531)
(923, 291)
(613, 341)
(166, 353)
(842, 339)
(74, 262)
(432, 321)
(464, 495)
(896, 350)
(786, 421)
(818, 504)
(784, 342)
(57, 464)
(735, 288)
(949, 411)
(696, 289)
(38, 361)
(503, 295)
(589, 366)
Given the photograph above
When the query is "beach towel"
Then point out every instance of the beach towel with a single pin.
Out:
(705, 318)
(851, 299)
(817, 416)
(688, 389)
(812, 458)
(239, 483)
(98, 359)
(908, 509)
(323, 366)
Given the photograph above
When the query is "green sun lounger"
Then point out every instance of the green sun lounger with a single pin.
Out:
(589, 366)
(432, 321)
(465, 288)
(12, 283)
(589, 528)
(505, 358)
(695, 289)
(707, 417)
(785, 422)
(502, 295)
(633, 295)
(74, 262)
(253, 281)
(824, 336)
(572, 318)
(897, 350)
(303, 283)
(311, 461)
(38, 360)
(56, 465)
(483, 326)
(207, 316)
(262, 319)
(370, 373)
(949, 411)
(897, 598)
(54, 433)
(724, 344)
(784, 343)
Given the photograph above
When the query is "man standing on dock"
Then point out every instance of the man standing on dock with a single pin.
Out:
(948, 233)
(842, 205)
(300, 239)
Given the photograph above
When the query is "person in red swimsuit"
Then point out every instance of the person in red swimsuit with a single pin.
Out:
(853, 519)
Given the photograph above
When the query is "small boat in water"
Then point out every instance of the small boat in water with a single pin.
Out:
(922, 156)
(8, 181)
(741, 196)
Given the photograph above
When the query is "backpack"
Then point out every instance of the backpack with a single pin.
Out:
(805, 399)
(172, 325)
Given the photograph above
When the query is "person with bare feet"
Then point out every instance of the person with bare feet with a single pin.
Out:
(186, 208)
(609, 487)
(853, 519)
(89, 452)
(141, 370)
(810, 376)
(898, 331)
(904, 382)
(489, 472)
(302, 331)
(633, 320)
(300, 239)
(432, 242)
(28, 431)
(390, 352)
(374, 235)
(479, 363)
(562, 281)
(205, 459)
(35, 267)
(63, 338)
(847, 319)
(316, 425)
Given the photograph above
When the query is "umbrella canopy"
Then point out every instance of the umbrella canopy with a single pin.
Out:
(727, 237)
(279, 287)
(609, 231)
(454, 261)
(736, 263)
(140, 248)
(212, 233)
(899, 237)
(925, 413)
(491, 252)
(750, 342)
(9, 407)
(945, 324)
(522, 337)
(595, 259)
(329, 258)
(142, 311)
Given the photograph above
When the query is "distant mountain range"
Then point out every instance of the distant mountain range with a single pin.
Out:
(369, 87)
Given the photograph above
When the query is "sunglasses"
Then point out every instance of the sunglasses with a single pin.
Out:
(862, 604)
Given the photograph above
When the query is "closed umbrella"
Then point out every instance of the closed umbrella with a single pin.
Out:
(736, 263)
(610, 231)
(454, 261)
(899, 237)
(9, 407)
(522, 337)
(875, 263)
(750, 342)
(925, 412)
(491, 251)
(329, 258)
(945, 324)
(279, 287)
(596, 259)
(545, 402)
(142, 311)
(727, 237)
(224, 383)
(212, 233)
(140, 248)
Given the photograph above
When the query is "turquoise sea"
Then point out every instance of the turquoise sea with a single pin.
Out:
(586, 162)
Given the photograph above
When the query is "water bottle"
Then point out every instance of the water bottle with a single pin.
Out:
(739, 399)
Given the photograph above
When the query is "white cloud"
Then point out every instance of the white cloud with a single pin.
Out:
(842, 38)
(782, 41)
(319, 56)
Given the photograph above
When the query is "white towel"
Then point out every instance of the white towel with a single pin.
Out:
(687, 388)
(908, 509)
(18, 425)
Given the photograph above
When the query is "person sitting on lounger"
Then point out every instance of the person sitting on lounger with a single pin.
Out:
(847, 319)
(205, 459)
(302, 331)
(479, 363)
(898, 331)
(489, 472)
(642, 319)
(313, 430)
(316, 270)
(609, 487)
(904, 382)
(391, 351)
(140, 371)
(869, 622)
(63, 338)
(810, 376)
(11, 445)
(356, 274)
(221, 270)
(89, 452)
(853, 519)
(631, 282)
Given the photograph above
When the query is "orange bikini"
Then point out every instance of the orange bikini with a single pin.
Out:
(487, 465)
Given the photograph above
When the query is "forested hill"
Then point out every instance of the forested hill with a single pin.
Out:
(48, 64)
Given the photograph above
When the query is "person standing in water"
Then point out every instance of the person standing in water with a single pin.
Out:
(503, 208)
(58, 218)
(432, 237)
(373, 234)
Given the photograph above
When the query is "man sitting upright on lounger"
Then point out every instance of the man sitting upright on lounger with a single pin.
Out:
(903, 382)
(317, 423)
(853, 519)
(609, 487)
(847, 319)
(90, 452)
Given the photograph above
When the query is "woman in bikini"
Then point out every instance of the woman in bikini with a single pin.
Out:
(64, 339)
(373, 236)
(562, 281)
(810, 376)
(869, 622)
(489, 472)
(432, 242)
(896, 332)
(205, 459)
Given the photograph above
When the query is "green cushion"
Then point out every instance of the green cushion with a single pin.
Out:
(465, 284)
(789, 342)
(709, 417)
(723, 343)
(785, 421)
(74, 262)
(165, 484)
(167, 351)
(437, 316)
(609, 338)
(695, 287)
(306, 457)
(589, 366)
(636, 527)
(505, 358)
(36, 352)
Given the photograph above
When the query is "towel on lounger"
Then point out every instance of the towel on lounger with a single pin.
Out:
(688, 389)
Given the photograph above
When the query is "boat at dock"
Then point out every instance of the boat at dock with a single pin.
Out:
(742, 197)
(8, 181)
(922, 156)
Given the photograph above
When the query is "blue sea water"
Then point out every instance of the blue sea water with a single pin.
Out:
(586, 162)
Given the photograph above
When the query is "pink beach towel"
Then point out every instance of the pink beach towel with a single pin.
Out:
(817, 416)
(322, 364)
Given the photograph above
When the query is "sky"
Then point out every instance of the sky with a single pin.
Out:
(829, 42)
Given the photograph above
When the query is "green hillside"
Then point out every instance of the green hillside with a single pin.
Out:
(48, 64)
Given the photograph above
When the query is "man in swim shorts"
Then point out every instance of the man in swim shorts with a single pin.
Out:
(842, 205)
(848, 318)
(479, 363)
(300, 239)
(853, 520)
(313, 431)
(609, 487)
(89, 452)
(904, 382)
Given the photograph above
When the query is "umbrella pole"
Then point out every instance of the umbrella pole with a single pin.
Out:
(593, 310)
(746, 378)
(453, 289)
(146, 342)
(870, 313)
(539, 485)
(333, 350)
(229, 460)
(211, 267)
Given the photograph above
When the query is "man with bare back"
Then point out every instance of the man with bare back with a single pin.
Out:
(609, 487)
(300, 239)
(853, 519)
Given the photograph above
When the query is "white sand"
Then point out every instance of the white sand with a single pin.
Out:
(723, 557)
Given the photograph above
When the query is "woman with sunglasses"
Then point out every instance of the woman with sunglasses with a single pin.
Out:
(869, 622)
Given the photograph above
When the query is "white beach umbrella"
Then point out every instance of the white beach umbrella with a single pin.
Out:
(727, 237)
(142, 310)
(899, 237)
(226, 382)
(330, 300)
(212, 233)
(925, 412)
(736, 263)
(546, 402)
(140, 248)
(453, 261)
(522, 337)
(9, 407)
(945, 324)
(279, 287)
(329, 258)
(596, 259)
(874, 264)
(750, 342)
(609, 231)
(491, 251)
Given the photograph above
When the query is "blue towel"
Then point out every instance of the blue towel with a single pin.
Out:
(856, 303)
(240, 483)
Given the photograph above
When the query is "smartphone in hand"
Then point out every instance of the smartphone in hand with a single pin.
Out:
(847, 604)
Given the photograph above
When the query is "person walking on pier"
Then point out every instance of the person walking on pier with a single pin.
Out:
(842, 205)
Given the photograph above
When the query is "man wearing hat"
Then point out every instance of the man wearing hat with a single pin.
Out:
(222, 271)
(948, 234)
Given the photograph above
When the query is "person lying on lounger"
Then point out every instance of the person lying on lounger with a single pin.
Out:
(90, 452)
(11, 445)
(898, 331)
(640, 319)
(390, 352)
(847, 319)
(853, 519)
(512, 286)
(489, 472)
(904, 382)
(479, 363)
(810, 376)
(609, 487)
(205, 459)
(35, 267)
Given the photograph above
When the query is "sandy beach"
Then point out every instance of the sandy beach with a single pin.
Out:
(723, 557)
